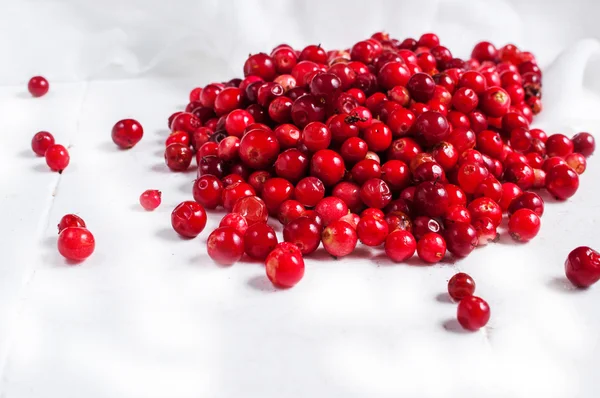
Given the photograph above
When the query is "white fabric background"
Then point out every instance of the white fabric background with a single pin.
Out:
(149, 315)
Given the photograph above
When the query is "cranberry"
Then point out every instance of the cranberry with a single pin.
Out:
(577, 162)
(559, 145)
(470, 176)
(523, 225)
(207, 191)
(478, 122)
(237, 121)
(375, 193)
(225, 245)
(252, 208)
(259, 241)
(400, 95)
(400, 122)
(456, 196)
(551, 162)
(461, 238)
(128, 132)
(304, 233)
(331, 209)
(342, 128)
(178, 157)
(495, 102)
(339, 238)
(461, 285)
(462, 138)
(178, 137)
(309, 191)
(421, 87)
(307, 109)
(400, 245)
(349, 193)
(431, 248)
(431, 199)
(486, 231)
(259, 149)
(260, 65)
(353, 150)
(275, 192)
(562, 181)
(287, 135)
(584, 144)
(486, 207)
(473, 313)
(284, 266)
(211, 165)
(535, 160)
(510, 192)
(291, 165)
(188, 219)
(365, 170)
(456, 214)
(528, 200)
(289, 211)
(236, 221)
(582, 266)
(70, 220)
(396, 174)
(150, 199)
(284, 59)
(433, 127)
(76, 243)
(372, 231)
(394, 74)
(328, 166)
(41, 141)
(378, 137)
(228, 100)
(315, 136)
(280, 110)
(57, 157)
(38, 86)
(209, 94)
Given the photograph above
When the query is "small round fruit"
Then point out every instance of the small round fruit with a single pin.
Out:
(126, 133)
(431, 248)
(461, 285)
(235, 220)
(582, 266)
(150, 199)
(188, 219)
(57, 157)
(461, 239)
(562, 181)
(304, 233)
(339, 238)
(41, 142)
(372, 231)
(70, 220)
(225, 246)
(284, 266)
(76, 243)
(473, 313)
(38, 86)
(400, 245)
(259, 241)
(524, 225)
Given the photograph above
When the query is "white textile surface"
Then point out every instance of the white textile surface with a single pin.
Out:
(149, 315)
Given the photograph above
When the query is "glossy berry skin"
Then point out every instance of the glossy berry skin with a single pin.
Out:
(562, 181)
(236, 221)
(431, 199)
(307, 109)
(237, 121)
(378, 137)
(375, 193)
(331, 209)
(473, 313)
(304, 233)
(524, 225)
(292, 165)
(225, 246)
(484, 51)
(485, 207)
(275, 192)
(127, 132)
(461, 239)
(328, 166)
(315, 136)
(207, 191)
(188, 219)
(232, 193)
(470, 175)
(559, 145)
(495, 102)
(150, 199)
(178, 157)
(431, 248)
(432, 126)
(421, 87)
(309, 191)
(259, 149)
(400, 245)
(577, 162)
(461, 285)
(260, 65)
(290, 210)
(339, 238)
(584, 143)
(252, 208)
(582, 267)
(528, 200)
(41, 142)
(228, 100)
(372, 231)
(259, 241)
(70, 220)
(38, 86)
(486, 231)
(57, 157)
(284, 266)
(76, 243)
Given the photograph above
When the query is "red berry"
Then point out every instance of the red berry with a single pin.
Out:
(461, 285)
(421, 87)
(484, 51)
(473, 313)
(524, 225)
(510, 191)
(400, 245)
(577, 162)
(284, 266)
(76, 243)
(41, 142)
(127, 132)
(304, 233)
(228, 100)
(288, 135)
(236, 221)
(232, 193)
(150, 199)
(559, 145)
(208, 191)
(178, 157)
(584, 143)
(315, 136)
(259, 149)
(461, 239)
(528, 200)
(495, 102)
(339, 238)
(38, 86)
(431, 199)
(432, 126)
(375, 193)
(378, 137)
(259, 241)
(582, 266)
(431, 248)
(309, 191)
(328, 166)
(188, 219)
(470, 176)
(57, 157)
(462, 138)
(70, 220)
(225, 246)
(486, 231)
(486, 207)
(456, 214)
(237, 121)
(260, 65)
(331, 209)
(275, 192)
(252, 208)
(562, 181)
(291, 165)
(372, 231)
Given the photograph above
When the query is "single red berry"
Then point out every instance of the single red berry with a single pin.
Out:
(259, 241)
(315, 136)
(510, 191)
(495, 102)
(259, 149)
(577, 162)
(456, 196)
(582, 266)
(236, 221)
(150, 199)
(432, 126)
(188, 219)
(304, 233)
(486, 231)
(38, 86)
(284, 266)
(41, 142)
(225, 246)
(559, 145)
(421, 87)
(490, 187)
(208, 191)
(461, 239)
(484, 51)
(431, 199)
(288, 135)
(127, 132)
(237, 121)
(328, 166)
(470, 175)
(57, 157)
(372, 231)
(260, 65)
(275, 192)
(461, 285)
(331, 209)
(456, 214)
(70, 220)
(76, 243)
(562, 181)
(431, 248)
(349, 193)
(309, 191)
(528, 200)
(306, 109)
(339, 238)
(485, 207)
(551, 162)
(178, 137)
(524, 225)
(195, 94)
(292, 165)
(290, 210)
(228, 100)
(365, 170)
(584, 143)
(232, 193)
(473, 313)
(252, 208)
(400, 245)
(178, 157)
(376, 193)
